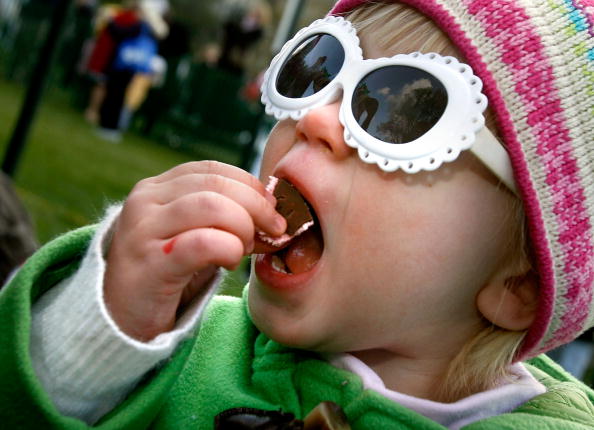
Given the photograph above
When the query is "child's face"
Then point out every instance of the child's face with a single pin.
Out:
(404, 256)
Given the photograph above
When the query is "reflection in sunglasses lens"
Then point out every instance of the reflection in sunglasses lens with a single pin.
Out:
(311, 66)
(398, 104)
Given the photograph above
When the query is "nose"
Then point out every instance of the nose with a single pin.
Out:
(321, 126)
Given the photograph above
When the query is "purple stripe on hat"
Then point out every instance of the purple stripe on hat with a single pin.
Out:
(586, 7)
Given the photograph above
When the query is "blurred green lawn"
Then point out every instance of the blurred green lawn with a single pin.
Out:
(67, 175)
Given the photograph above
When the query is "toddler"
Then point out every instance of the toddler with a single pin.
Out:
(452, 245)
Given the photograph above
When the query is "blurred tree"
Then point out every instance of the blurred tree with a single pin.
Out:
(199, 16)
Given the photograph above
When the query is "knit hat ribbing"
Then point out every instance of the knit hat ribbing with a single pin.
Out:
(536, 60)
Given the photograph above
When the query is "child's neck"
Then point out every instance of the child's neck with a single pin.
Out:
(414, 376)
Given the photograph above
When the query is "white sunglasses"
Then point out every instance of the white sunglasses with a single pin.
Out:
(411, 111)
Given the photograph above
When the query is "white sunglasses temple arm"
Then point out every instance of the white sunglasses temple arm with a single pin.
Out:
(493, 155)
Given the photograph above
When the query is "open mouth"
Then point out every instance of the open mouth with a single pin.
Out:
(300, 249)
(301, 254)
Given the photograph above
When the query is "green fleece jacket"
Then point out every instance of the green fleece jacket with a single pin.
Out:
(230, 364)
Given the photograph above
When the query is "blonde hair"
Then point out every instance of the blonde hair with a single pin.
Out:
(484, 360)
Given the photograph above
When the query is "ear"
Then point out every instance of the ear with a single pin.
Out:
(510, 304)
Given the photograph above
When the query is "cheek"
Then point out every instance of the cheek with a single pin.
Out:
(423, 242)
(380, 237)
(280, 140)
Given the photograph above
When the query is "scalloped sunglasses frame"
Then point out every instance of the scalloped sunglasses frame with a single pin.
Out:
(458, 126)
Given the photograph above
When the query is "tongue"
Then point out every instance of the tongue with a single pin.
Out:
(304, 252)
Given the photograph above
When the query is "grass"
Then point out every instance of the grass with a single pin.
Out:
(67, 174)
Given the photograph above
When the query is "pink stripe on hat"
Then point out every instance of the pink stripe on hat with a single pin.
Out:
(543, 105)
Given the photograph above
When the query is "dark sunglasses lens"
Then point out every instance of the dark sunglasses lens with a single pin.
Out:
(310, 67)
(398, 104)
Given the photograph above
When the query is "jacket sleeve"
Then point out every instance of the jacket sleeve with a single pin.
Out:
(24, 402)
(85, 363)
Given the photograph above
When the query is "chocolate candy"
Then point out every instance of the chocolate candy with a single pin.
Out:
(291, 205)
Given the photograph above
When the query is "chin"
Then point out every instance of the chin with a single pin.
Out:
(282, 328)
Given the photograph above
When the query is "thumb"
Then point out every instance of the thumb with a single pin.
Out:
(200, 280)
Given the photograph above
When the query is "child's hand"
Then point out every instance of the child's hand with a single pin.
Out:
(174, 231)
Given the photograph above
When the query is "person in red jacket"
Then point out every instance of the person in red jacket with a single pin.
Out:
(125, 46)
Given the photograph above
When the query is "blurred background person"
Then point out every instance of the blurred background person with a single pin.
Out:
(135, 32)
(243, 28)
(165, 85)
(139, 86)
(100, 54)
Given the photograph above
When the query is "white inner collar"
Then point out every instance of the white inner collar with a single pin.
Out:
(496, 401)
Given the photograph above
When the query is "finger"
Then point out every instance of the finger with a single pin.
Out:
(261, 208)
(188, 178)
(202, 210)
(190, 183)
(214, 168)
(198, 283)
(197, 249)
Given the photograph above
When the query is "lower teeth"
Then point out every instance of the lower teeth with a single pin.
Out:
(279, 265)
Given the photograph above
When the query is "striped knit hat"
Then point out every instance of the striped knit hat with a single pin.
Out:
(536, 60)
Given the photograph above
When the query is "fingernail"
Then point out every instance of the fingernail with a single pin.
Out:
(280, 223)
(250, 247)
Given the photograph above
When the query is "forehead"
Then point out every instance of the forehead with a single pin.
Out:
(390, 35)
